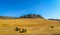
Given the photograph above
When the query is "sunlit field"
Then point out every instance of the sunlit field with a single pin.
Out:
(36, 26)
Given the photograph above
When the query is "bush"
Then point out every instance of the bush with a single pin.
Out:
(52, 26)
(20, 30)
(17, 29)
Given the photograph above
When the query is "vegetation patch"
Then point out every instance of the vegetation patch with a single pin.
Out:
(56, 34)
(21, 30)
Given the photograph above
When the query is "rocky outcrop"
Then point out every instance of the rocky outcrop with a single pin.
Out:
(31, 16)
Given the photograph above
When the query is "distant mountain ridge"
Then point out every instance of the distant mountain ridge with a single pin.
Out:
(24, 16)
(54, 19)
(7, 17)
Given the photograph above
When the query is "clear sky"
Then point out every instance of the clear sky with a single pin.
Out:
(16, 8)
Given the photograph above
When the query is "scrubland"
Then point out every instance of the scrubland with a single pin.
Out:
(37, 26)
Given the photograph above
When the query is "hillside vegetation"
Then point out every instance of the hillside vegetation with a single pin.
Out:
(29, 26)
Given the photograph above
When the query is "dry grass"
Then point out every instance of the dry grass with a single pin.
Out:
(36, 26)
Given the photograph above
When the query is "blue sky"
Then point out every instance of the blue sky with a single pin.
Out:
(16, 8)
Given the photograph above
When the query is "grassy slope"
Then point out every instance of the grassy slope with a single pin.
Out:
(36, 26)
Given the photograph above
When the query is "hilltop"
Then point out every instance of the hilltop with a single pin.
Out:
(31, 16)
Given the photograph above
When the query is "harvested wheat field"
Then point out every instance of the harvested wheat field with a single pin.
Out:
(27, 26)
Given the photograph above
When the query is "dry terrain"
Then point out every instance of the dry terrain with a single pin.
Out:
(36, 26)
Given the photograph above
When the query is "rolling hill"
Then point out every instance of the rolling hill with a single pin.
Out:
(29, 26)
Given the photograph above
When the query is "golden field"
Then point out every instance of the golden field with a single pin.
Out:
(35, 26)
